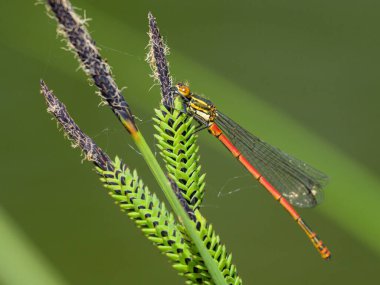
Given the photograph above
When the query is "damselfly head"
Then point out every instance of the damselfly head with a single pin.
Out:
(183, 89)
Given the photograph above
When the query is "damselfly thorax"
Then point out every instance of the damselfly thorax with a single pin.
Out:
(203, 110)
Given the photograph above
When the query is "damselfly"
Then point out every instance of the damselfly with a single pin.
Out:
(289, 180)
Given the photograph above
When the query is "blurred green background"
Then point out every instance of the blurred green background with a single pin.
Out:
(303, 75)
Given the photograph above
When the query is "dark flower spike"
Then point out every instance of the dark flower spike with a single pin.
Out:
(79, 139)
(83, 45)
(157, 61)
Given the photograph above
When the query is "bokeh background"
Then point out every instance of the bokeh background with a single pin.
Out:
(303, 75)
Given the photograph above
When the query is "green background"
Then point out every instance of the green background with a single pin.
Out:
(303, 75)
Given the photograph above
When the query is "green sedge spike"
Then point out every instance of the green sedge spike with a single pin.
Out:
(177, 144)
(151, 216)
(218, 251)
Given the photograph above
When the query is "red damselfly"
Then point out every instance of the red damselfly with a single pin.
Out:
(289, 180)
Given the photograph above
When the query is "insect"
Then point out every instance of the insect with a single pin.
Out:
(290, 181)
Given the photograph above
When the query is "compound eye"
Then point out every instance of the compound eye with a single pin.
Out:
(183, 89)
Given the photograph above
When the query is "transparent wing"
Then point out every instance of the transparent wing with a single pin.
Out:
(298, 182)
